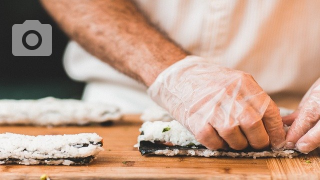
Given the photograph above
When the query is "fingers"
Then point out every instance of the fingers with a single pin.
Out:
(304, 133)
(310, 141)
(274, 126)
(252, 132)
(228, 128)
(289, 119)
(308, 117)
(233, 136)
(256, 134)
(210, 138)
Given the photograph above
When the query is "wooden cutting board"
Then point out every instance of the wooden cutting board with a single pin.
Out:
(121, 160)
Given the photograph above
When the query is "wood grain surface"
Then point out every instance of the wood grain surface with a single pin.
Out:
(121, 160)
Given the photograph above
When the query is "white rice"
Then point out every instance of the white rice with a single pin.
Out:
(33, 149)
(214, 153)
(50, 111)
(177, 134)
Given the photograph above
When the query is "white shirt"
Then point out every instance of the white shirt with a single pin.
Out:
(278, 42)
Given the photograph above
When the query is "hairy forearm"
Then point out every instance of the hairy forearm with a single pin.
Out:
(118, 34)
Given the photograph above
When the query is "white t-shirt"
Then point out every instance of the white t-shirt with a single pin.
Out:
(278, 42)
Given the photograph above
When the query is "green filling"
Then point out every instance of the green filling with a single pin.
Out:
(308, 161)
(191, 144)
(166, 129)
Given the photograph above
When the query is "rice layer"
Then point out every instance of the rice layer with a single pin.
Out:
(154, 134)
(149, 148)
(65, 161)
(51, 111)
(212, 153)
(33, 149)
(171, 131)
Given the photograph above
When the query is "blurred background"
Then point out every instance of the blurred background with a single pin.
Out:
(32, 77)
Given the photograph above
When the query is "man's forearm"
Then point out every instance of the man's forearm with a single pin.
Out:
(117, 33)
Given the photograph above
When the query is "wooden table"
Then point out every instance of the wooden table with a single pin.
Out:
(121, 160)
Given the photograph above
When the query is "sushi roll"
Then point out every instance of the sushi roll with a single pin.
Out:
(77, 149)
(172, 139)
(54, 112)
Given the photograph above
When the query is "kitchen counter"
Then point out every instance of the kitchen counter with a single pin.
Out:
(121, 160)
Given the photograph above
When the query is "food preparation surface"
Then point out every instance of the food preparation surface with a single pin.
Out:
(121, 160)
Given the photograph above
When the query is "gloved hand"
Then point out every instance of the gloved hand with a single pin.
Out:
(304, 133)
(220, 106)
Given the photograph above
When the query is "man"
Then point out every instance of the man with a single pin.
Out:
(277, 42)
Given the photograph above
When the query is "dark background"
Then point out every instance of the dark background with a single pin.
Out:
(32, 77)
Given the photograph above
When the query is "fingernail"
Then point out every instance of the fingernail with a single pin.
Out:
(289, 145)
(303, 147)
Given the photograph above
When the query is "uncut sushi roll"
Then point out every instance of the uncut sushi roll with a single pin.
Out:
(56, 112)
(172, 139)
(76, 149)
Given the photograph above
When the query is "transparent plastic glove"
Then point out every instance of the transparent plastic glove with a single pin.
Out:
(220, 106)
(304, 133)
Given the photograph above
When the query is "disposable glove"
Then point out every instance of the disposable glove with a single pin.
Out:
(222, 107)
(304, 133)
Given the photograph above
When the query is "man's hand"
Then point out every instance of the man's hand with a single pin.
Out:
(220, 106)
(304, 133)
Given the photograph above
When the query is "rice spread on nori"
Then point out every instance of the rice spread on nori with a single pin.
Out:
(77, 149)
(155, 135)
(56, 112)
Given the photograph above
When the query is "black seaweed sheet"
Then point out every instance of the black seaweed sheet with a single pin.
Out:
(147, 147)
(150, 148)
(76, 161)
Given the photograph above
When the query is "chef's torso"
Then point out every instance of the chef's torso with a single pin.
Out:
(278, 42)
